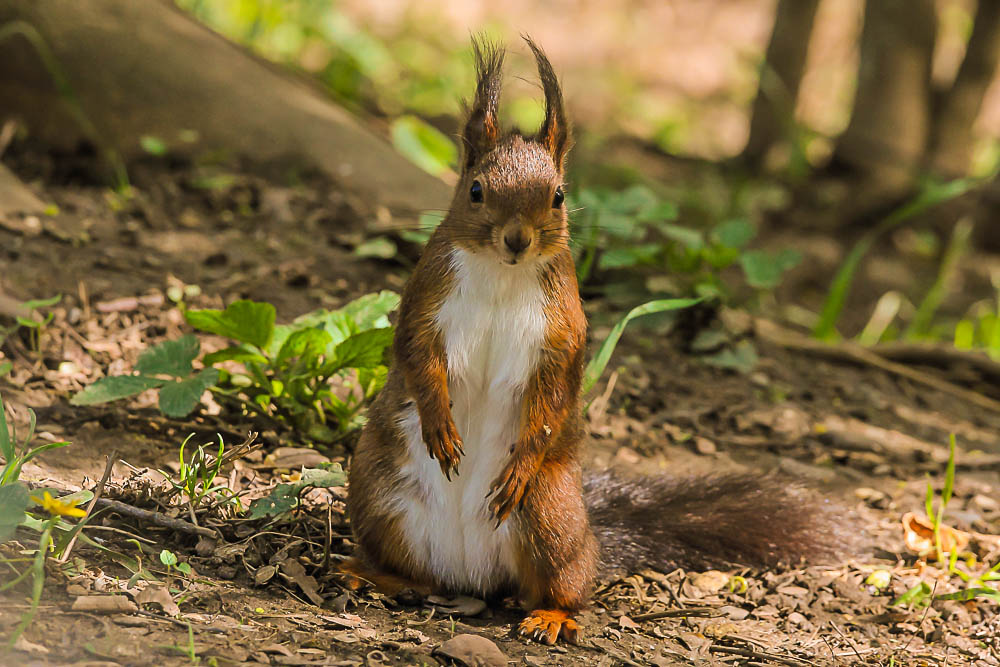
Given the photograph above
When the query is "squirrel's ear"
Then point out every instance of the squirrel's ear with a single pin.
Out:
(555, 133)
(482, 127)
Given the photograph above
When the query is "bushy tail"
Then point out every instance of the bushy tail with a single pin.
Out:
(710, 521)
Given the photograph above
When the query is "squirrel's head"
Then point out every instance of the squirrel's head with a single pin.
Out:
(509, 200)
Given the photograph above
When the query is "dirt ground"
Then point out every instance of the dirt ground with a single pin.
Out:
(264, 594)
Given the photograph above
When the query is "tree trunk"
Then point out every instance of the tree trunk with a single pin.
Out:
(952, 137)
(143, 67)
(884, 141)
(772, 120)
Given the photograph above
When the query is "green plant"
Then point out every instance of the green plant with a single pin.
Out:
(167, 367)
(597, 365)
(15, 500)
(633, 229)
(285, 372)
(921, 594)
(929, 196)
(169, 559)
(937, 518)
(34, 326)
(285, 497)
(197, 475)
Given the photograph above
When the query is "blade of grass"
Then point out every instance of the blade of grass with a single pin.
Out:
(600, 361)
(957, 247)
(929, 197)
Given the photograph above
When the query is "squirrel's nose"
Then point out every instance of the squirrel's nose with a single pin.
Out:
(517, 240)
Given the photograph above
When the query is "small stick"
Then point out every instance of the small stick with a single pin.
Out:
(750, 653)
(98, 490)
(850, 642)
(179, 525)
(671, 613)
(855, 353)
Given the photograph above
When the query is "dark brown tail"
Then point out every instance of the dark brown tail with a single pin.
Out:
(711, 521)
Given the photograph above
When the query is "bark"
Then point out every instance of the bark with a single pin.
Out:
(885, 139)
(952, 136)
(143, 67)
(772, 120)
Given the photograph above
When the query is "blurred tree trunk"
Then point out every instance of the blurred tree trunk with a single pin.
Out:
(773, 116)
(143, 67)
(885, 139)
(952, 137)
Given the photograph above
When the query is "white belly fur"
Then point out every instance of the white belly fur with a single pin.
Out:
(493, 324)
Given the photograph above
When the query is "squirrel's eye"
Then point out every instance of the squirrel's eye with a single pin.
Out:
(476, 192)
(557, 200)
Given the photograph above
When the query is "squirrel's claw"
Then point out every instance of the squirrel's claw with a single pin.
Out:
(508, 491)
(547, 625)
(445, 445)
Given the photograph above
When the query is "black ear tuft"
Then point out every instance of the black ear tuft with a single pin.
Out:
(482, 127)
(554, 134)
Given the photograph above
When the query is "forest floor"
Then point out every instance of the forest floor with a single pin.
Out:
(865, 437)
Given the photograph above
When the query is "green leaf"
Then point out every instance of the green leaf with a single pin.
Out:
(114, 388)
(423, 145)
(691, 239)
(285, 497)
(179, 399)
(304, 343)
(5, 367)
(246, 321)
(733, 233)
(282, 498)
(597, 365)
(659, 212)
(617, 258)
(371, 310)
(742, 357)
(42, 303)
(13, 502)
(365, 349)
(970, 594)
(380, 247)
(239, 354)
(919, 594)
(171, 357)
(153, 145)
(764, 270)
(168, 558)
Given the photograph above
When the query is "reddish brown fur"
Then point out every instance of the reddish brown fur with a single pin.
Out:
(558, 554)
(539, 490)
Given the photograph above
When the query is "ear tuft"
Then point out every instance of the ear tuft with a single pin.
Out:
(482, 126)
(554, 134)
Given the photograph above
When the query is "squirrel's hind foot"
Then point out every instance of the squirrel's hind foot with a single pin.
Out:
(547, 625)
(355, 575)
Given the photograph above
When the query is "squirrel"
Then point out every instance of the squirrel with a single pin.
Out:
(467, 475)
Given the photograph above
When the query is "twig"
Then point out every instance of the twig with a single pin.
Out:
(763, 655)
(616, 655)
(697, 612)
(850, 642)
(855, 353)
(156, 517)
(938, 355)
(98, 490)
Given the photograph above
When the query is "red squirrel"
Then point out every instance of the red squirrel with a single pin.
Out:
(467, 476)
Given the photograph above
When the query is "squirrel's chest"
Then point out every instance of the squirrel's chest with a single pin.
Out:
(493, 323)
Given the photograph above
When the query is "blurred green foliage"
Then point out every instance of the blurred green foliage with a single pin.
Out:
(635, 230)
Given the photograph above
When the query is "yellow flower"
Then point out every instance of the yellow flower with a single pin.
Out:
(56, 506)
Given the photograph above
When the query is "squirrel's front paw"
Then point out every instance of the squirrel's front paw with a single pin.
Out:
(444, 445)
(508, 491)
